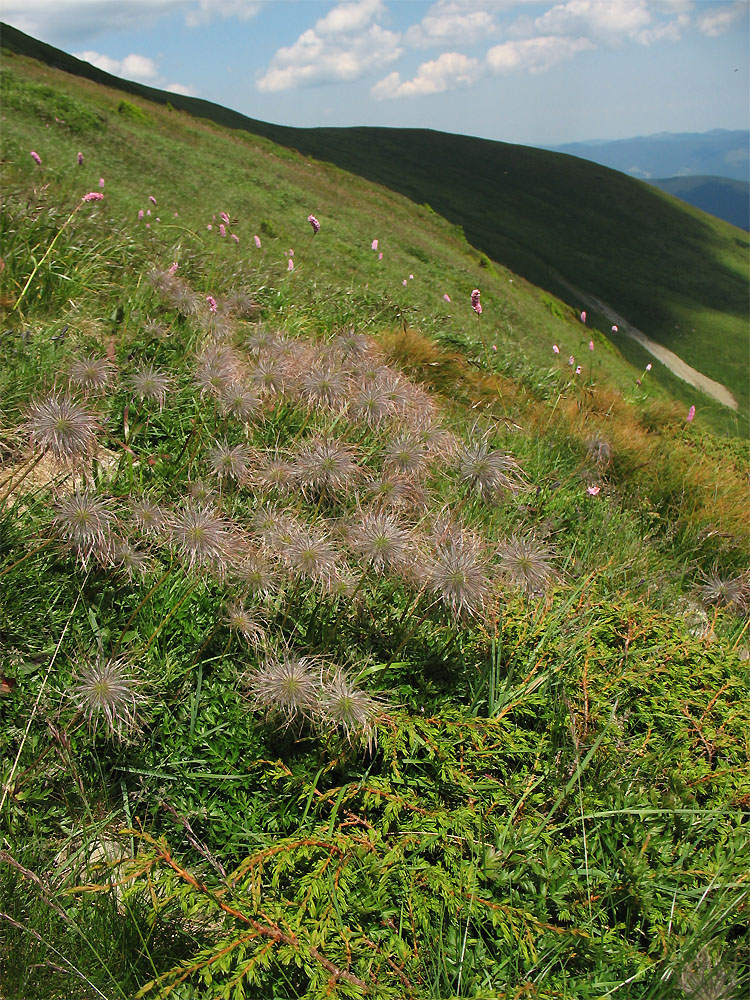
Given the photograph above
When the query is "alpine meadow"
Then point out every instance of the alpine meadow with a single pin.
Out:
(373, 621)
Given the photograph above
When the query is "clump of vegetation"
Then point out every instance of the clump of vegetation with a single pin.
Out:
(343, 655)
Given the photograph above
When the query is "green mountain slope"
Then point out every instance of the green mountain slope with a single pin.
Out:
(675, 273)
(720, 196)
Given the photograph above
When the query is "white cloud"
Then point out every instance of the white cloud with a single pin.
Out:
(142, 69)
(720, 19)
(448, 71)
(344, 45)
(535, 54)
(449, 21)
(612, 22)
(206, 10)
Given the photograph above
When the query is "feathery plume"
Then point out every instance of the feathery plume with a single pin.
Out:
(489, 472)
(63, 426)
(92, 373)
(151, 383)
(347, 707)
(382, 541)
(248, 622)
(85, 521)
(229, 462)
(458, 573)
(107, 693)
(527, 564)
(286, 686)
(325, 467)
(201, 537)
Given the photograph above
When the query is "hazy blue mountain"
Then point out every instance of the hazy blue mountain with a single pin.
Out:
(721, 196)
(719, 153)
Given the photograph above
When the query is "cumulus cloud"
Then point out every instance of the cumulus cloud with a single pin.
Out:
(612, 22)
(206, 11)
(535, 54)
(448, 71)
(142, 69)
(721, 18)
(344, 45)
(448, 21)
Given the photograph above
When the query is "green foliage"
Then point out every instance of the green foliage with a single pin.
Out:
(49, 105)
(133, 112)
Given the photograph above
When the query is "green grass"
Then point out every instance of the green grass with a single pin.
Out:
(547, 797)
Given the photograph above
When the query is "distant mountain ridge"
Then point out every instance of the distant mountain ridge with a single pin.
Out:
(718, 153)
(720, 196)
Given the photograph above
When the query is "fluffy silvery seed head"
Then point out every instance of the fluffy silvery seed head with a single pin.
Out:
(458, 573)
(151, 383)
(201, 492)
(347, 707)
(310, 554)
(106, 693)
(85, 521)
(725, 591)
(382, 541)
(265, 344)
(275, 474)
(325, 387)
(201, 537)
(488, 472)
(399, 392)
(269, 377)
(371, 405)
(63, 426)
(134, 562)
(256, 573)
(175, 292)
(216, 369)
(325, 467)
(527, 564)
(395, 492)
(241, 304)
(275, 527)
(92, 373)
(351, 346)
(148, 516)
(406, 455)
(599, 451)
(286, 686)
(229, 462)
(249, 622)
(238, 402)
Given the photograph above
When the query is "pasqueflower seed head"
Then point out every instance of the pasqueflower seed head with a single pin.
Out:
(489, 472)
(229, 462)
(458, 574)
(325, 467)
(151, 383)
(527, 564)
(201, 537)
(85, 522)
(107, 693)
(347, 707)
(249, 622)
(382, 541)
(63, 426)
(92, 373)
(286, 687)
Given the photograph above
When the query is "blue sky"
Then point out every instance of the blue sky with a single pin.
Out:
(516, 70)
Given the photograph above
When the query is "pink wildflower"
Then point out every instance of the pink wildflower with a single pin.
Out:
(591, 345)
(404, 281)
(257, 241)
(172, 269)
(235, 237)
(140, 213)
(571, 360)
(447, 297)
(583, 316)
(374, 244)
(36, 158)
(494, 348)
(411, 277)
(80, 159)
(614, 329)
(291, 253)
(152, 199)
(101, 182)
(637, 381)
(290, 265)
(380, 256)
(93, 196)
(222, 229)
(175, 215)
(209, 227)
(224, 217)
(475, 303)
(148, 211)
(555, 348)
(648, 367)
(314, 223)
(148, 225)
(594, 490)
(691, 414)
(211, 303)
(578, 370)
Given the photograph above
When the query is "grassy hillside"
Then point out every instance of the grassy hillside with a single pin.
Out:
(720, 196)
(674, 272)
(353, 643)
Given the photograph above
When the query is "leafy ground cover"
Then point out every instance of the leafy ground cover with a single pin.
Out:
(353, 642)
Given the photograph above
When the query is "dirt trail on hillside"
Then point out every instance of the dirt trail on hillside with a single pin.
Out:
(668, 358)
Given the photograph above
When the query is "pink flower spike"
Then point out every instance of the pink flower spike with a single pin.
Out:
(93, 196)
(172, 269)
(583, 316)
(637, 381)
(380, 256)
(257, 241)
(594, 490)
(235, 237)
(101, 182)
(314, 223)
(691, 414)
(175, 215)
(374, 245)
(290, 265)
(209, 227)
(211, 303)
(224, 217)
(571, 360)
(140, 213)
(36, 158)
(404, 281)
(494, 348)
(555, 348)
(411, 277)
(648, 367)
(447, 297)
(148, 225)
(475, 301)
(614, 329)
(291, 253)
(578, 370)
(591, 345)
(158, 219)
(80, 159)
(222, 229)
(148, 211)
(152, 199)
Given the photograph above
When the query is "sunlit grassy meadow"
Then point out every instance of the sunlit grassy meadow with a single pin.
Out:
(353, 643)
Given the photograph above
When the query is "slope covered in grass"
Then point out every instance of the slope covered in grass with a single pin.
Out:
(672, 271)
(352, 643)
